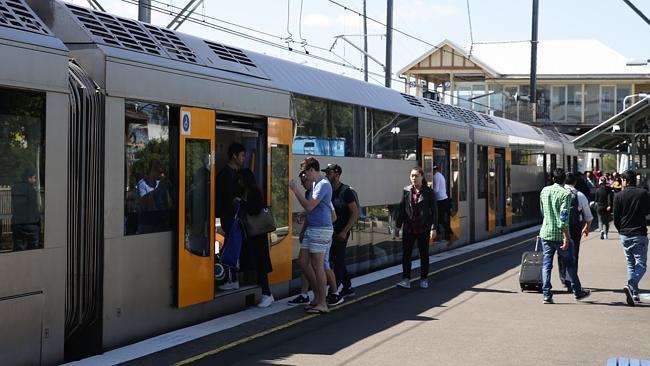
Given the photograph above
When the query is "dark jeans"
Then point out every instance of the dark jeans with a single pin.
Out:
(408, 240)
(443, 218)
(564, 275)
(337, 257)
(263, 281)
(549, 248)
(26, 236)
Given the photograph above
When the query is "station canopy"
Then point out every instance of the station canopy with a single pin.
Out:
(615, 134)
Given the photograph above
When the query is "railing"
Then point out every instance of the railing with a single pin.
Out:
(5, 217)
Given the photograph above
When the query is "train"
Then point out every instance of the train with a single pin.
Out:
(95, 107)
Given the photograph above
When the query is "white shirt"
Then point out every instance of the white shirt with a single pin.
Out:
(439, 187)
(583, 203)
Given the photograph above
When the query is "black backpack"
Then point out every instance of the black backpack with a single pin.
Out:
(575, 217)
(340, 198)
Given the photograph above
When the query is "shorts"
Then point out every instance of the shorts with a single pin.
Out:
(318, 240)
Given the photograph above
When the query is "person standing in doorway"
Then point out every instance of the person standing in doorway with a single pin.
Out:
(555, 202)
(318, 234)
(631, 206)
(418, 215)
(346, 206)
(255, 254)
(227, 188)
(442, 202)
(25, 212)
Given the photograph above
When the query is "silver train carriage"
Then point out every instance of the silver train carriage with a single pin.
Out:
(94, 106)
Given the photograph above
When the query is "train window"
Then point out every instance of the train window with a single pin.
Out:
(148, 201)
(197, 196)
(392, 136)
(462, 154)
(323, 127)
(482, 173)
(22, 163)
(280, 191)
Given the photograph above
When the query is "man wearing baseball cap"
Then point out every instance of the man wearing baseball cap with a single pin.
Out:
(345, 204)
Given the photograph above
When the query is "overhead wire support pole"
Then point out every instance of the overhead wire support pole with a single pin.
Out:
(636, 10)
(533, 63)
(365, 43)
(144, 11)
(389, 41)
(182, 16)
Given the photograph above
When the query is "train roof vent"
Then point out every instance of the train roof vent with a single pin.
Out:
(488, 118)
(230, 54)
(175, 47)
(412, 100)
(130, 34)
(16, 14)
(443, 110)
(470, 116)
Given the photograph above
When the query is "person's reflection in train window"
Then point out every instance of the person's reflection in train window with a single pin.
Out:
(153, 199)
(25, 214)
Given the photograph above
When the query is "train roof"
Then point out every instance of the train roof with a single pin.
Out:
(144, 43)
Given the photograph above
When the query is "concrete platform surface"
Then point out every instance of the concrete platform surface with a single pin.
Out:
(473, 313)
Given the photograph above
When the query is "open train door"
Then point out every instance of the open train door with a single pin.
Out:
(279, 158)
(196, 179)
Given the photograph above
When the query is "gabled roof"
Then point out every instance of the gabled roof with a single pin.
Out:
(555, 58)
(459, 51)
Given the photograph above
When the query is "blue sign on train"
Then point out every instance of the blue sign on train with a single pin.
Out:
(319, 146)
(186, 125)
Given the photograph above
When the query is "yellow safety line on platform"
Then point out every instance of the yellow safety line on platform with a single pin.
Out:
(307, 317)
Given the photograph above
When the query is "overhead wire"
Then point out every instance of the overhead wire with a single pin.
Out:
(436, 47)
(345, 62)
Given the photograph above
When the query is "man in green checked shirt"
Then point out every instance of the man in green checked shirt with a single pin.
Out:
(555, 202)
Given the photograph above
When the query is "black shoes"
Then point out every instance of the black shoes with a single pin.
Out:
(334, 299)
(548, 300)
(629, 295)
(299, 300)
(583, 295)
(347, 292)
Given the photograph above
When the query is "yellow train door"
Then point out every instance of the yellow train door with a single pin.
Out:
(195, 209)
(280, 156)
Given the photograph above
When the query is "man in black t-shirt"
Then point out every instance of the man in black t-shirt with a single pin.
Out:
(346, 206)
(631, 206)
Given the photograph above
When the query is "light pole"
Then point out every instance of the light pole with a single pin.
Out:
(640, 95)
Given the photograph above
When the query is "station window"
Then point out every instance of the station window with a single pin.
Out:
(392, 136)
(323, 127)
(148, 200)
(22, 167)
(482, 172)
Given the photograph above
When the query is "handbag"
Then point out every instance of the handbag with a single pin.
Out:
(259, 224)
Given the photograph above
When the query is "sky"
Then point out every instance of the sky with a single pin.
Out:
(312, 25)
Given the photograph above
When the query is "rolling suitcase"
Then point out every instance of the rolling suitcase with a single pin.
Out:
(530, 275)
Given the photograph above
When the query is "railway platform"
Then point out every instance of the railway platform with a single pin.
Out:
(472, 313)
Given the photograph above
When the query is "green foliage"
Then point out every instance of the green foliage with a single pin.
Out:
(280, 184)
(22, 129)
(609, 163)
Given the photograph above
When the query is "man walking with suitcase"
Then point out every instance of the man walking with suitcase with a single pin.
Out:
(631, 206)
(555, 202)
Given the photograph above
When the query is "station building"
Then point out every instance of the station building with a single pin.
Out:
(580, 83)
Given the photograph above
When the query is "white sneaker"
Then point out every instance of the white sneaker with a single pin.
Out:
(266, 301)
(404, 283)
(424, 283)
(229, 286)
